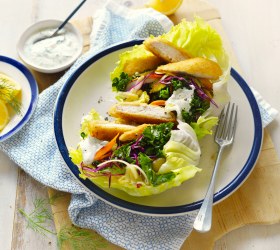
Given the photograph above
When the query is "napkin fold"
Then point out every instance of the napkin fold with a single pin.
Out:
(34, 147)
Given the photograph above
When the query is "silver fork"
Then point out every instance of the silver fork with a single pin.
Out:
(224, 136)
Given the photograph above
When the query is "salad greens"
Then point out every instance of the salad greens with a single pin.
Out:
(120, 83)
(156, 179)
(86, 120)
(197, 107)
(203, 126)
(198, 38)
(131, 166)
(123, 153)
(155, 137)
(164, 155)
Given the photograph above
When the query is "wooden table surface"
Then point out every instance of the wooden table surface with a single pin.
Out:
(253, 29)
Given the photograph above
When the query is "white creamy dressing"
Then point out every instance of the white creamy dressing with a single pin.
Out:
(180, 100)
(51, 52)
(89, 147)
(188, 155)
(186, 135)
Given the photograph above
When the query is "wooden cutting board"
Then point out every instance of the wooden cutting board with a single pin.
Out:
(254, 202)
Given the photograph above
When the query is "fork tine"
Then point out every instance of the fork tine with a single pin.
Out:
(220, 125)
(226, 123)
(229, 129)
(222, 120)
(233, 123)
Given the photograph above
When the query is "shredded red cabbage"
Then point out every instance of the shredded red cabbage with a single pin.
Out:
(103, 166)
(140, 83)
(202, 94)
(166, 79)
(84, 168)
(190, 81)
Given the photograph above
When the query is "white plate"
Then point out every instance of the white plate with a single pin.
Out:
(29, 94)
(90, 86)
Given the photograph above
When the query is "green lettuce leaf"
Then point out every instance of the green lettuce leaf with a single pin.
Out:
(155, 137)
(178, 155)
(198, 38)
(124, 184)
(139, 52)
(154, 178)
(91, 116)
(76, 155)
(142, 97)
(204, 125)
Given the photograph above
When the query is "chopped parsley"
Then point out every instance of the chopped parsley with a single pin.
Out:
(198, 107)
(177, 84)
(155, 137)
(83, 135)
(164, 93)
(123, 153)
(120, 83)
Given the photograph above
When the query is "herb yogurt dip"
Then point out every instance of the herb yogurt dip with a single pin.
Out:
(51, 52)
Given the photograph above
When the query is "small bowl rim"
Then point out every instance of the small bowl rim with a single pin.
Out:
(48, 23)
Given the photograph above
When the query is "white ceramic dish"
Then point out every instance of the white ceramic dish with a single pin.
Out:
(90, 86)
(29, 95)
(38, 27)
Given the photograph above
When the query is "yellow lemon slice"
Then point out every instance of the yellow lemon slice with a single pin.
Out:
(4, 115)
(166, 7)
(9, 88)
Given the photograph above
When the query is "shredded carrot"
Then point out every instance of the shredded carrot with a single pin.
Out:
(104, 151)
(154, 75)
(158, 103)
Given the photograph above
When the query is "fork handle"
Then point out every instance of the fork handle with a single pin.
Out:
(203, 219)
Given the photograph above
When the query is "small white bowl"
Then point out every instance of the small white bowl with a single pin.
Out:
(36, 29)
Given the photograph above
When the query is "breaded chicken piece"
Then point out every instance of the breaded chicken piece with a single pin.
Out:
(133, 133)
(141, 113)
(142, 63)
(103, 130)
(197, 66)
(165, 49)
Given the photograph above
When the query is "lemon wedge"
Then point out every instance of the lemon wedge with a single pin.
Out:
(9, 88)
(166, 7)
(4, 115)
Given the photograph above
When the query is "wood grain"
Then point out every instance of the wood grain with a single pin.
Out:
(62, 220)
(28, 190)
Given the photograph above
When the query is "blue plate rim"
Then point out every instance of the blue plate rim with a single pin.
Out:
(34, 95)
(143, 209)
